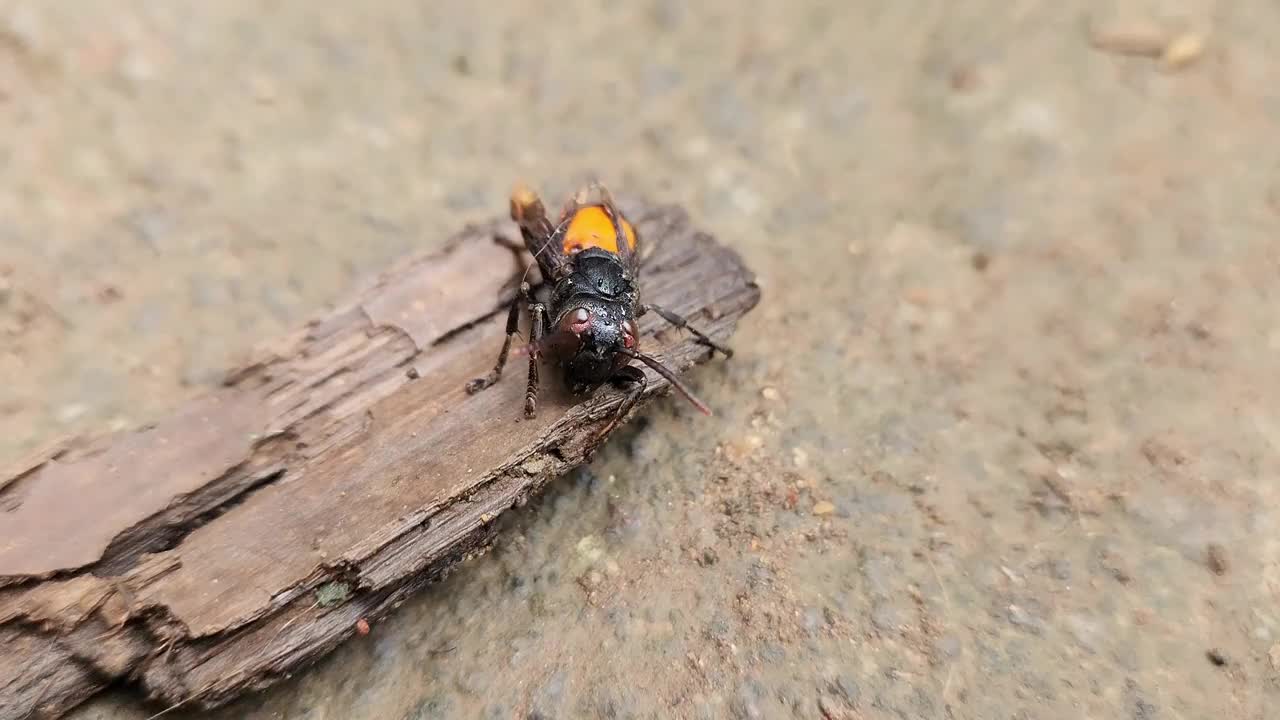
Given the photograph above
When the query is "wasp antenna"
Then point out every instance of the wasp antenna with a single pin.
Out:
(665, 372)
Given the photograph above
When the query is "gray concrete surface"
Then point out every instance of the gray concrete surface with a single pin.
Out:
(1000, 441)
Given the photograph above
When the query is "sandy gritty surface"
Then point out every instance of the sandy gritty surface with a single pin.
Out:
(999, 442)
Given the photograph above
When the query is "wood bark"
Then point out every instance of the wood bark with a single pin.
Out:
(342, 469)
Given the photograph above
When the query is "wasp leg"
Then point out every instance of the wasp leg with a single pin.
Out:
(538, 233)
(539, 312)
(648, 249)
(513, 327)
(514, 246)
(638, 381)
(518, 251)
(680, 322)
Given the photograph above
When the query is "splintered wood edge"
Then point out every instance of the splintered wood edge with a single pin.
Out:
(72, 632)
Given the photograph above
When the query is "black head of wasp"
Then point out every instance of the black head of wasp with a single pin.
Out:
(584, 312)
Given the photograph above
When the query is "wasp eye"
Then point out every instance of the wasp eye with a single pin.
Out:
(628, 334)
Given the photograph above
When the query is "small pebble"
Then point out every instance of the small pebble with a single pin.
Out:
(362, 626)
(799, 457)
(1216, 558)
(71, 412)
(769, 394)
(263, 89)
(1130, 38)
(1020, 617)
(965, 79)
(824, 508)
(108, 294)
(1182, 51)
(590, 548)
(1216, 657)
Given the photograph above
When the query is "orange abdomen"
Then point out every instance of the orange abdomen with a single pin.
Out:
(590, 227)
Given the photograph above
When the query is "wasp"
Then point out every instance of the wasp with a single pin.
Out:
(583, 311)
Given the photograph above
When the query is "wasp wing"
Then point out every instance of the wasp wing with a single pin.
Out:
(538, 233)
(630, 255)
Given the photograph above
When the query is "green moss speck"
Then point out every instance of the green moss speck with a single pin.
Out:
(332, 593)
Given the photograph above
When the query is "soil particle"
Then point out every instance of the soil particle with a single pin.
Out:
(1216, 558)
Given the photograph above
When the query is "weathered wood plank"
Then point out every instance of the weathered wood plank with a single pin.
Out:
(344, 468)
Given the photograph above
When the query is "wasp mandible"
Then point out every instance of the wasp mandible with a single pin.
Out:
(583, 312)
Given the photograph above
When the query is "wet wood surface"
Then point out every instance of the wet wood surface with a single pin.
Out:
(342, 469)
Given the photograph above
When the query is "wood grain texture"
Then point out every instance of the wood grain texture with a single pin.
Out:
(243, 536)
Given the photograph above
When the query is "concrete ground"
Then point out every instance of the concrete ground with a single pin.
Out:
(1000, 441)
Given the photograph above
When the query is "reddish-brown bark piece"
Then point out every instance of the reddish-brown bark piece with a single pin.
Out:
(246, 534)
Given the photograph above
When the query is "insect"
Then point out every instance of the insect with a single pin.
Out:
(584, 311)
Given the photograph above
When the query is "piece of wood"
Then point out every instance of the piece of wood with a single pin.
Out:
(246, 534)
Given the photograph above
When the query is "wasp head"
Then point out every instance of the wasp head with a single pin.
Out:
(592, 339)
